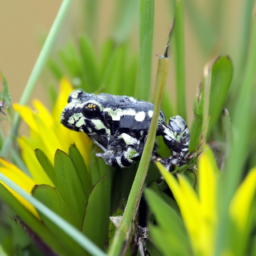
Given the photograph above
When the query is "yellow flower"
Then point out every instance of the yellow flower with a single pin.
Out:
(199, 210)
(47, 134)
(21, 179)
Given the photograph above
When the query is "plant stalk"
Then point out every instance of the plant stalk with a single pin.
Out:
(124, 230)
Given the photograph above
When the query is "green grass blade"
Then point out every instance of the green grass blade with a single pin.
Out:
(138, 184)
(203, 28)
(143, 83)
(37, 69)
(239, 148)
(91, 18)
(126, 15)
(179, 58)
(61, 223)
(167, 106)
(243, 41)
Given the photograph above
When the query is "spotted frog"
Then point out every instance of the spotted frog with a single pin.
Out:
(119, 126)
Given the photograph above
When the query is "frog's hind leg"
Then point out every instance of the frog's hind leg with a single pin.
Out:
(124, 160)
(176, 136)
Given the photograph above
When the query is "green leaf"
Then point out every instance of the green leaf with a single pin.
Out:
(46, 164)
(50, 197)
(143, 83)
(179, 58)
(81, 169)
(69, 185)
(169, 200)
(64, 225)
(89, 64)
(168, 219)
(221, 76)
(197, 125)
(30, 220)
(167, 243)
(96, 219)
(98, 168)
(95, 171)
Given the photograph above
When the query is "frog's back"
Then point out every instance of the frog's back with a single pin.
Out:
(129, 112)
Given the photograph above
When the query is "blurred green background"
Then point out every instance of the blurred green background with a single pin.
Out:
(24, 25)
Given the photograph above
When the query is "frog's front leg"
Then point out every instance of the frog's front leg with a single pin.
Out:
(125, 159)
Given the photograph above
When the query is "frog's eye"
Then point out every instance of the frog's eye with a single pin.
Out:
(91, 110)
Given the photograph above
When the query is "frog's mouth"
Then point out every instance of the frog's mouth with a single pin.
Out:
(68, 119)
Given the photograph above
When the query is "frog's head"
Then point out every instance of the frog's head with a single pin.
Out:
(83, 112)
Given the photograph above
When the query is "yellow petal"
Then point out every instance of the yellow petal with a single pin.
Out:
(49, 137)
(43, 113)
(190, 210)
(208, 189)
(22, 180)
(65, 89)
(242, 201)
(26, 114)
(36, 170)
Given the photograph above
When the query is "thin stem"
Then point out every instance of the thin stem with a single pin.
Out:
(37, 69)
(124, 230)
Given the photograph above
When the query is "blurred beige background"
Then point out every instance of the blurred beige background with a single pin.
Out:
(24, 24)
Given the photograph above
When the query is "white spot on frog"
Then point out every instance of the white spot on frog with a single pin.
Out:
(150, 113)
(140, 116)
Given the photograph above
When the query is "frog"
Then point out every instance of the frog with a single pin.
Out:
(119, 126)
